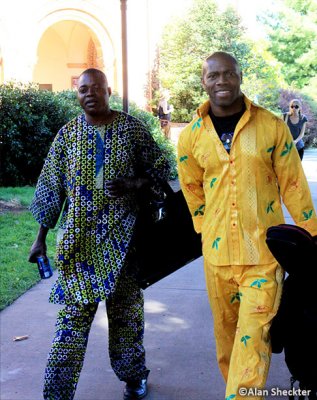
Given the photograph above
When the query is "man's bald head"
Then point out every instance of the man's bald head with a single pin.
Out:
(95, 72)
(220, 55)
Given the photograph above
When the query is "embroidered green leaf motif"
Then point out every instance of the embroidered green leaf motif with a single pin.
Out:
(215, 243)
(269, 207)
(270, 149)
(258, 282)
(245, 338)
(183, 158)
(288, 148)
(212, 182)
(308, 215)
(232, 396)
(200, 210)
(236, 296)
(197, 124)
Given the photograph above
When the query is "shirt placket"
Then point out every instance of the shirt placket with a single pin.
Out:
(233, 210)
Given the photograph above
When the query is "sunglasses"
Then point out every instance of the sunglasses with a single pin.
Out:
(296, 106)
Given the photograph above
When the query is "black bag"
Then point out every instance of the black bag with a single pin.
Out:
(293, 247)
(166, 242)
(294, 328)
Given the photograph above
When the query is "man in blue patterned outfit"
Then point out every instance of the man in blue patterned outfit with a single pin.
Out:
(96, 165)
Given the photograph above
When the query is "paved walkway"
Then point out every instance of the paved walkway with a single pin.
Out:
(179, 340)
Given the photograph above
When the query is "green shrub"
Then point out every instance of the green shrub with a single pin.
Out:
(30, 118)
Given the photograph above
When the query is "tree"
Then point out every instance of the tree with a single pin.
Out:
(292, 32)
(188, 41)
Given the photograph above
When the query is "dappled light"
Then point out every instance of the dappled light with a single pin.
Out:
(158, 318)
(166, 324)
(166, 321)
(154, 307)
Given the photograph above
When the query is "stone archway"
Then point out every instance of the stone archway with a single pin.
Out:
(69, 42)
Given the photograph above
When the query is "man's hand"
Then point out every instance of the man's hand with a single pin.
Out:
(120, 186)
(38, 248)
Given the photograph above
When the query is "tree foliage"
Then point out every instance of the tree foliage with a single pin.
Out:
(188, 41)
(292, 32)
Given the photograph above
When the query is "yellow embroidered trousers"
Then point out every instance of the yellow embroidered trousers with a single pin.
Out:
(244, 300)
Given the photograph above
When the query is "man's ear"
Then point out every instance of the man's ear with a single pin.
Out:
(203, 75)
(203, 83)
(109, 91)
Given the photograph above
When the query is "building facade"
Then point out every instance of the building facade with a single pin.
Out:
(50, 42)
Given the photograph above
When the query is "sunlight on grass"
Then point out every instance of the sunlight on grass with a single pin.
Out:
(21, 195)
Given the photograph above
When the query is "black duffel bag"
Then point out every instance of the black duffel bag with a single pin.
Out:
(165, 239)
(293, 247)
(294, 328)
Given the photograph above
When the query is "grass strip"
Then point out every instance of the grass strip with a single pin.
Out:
(18, 230)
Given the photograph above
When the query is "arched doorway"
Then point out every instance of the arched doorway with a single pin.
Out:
(65, 50)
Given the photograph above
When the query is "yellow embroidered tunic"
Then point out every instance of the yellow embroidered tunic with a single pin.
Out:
(235, 197)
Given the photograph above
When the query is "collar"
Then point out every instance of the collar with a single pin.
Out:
(203, 110)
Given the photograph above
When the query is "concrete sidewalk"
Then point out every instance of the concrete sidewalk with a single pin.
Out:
(179, 340)
(179, 343)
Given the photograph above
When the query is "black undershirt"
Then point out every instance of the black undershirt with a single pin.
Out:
(225, 126)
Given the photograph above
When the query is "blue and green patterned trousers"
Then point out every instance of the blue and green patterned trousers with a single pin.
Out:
(125, 310)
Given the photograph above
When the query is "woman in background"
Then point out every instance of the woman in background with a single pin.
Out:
(296, 122)
(164, 113)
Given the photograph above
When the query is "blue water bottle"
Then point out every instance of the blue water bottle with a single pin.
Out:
(44, 267)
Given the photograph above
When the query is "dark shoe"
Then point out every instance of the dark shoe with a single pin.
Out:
(135, 390)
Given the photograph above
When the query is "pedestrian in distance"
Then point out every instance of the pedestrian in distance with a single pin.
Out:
(236, 161)
(165, 110)
(93, 173)
(296, 121)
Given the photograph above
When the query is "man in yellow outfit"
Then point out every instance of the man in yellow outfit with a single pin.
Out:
(236, 160)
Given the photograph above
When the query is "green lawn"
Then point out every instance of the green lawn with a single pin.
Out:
(17, 233)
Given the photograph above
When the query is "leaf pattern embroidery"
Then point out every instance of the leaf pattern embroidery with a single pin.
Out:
(269, 207)
(236, 296)
(232, 396)
(215, 243)
(270, 149)
(307, 215)
(245, 338)
(258, 282)
(288, 148)
(200, 210)
(197, 124)
(183, 158)
(212, 182)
